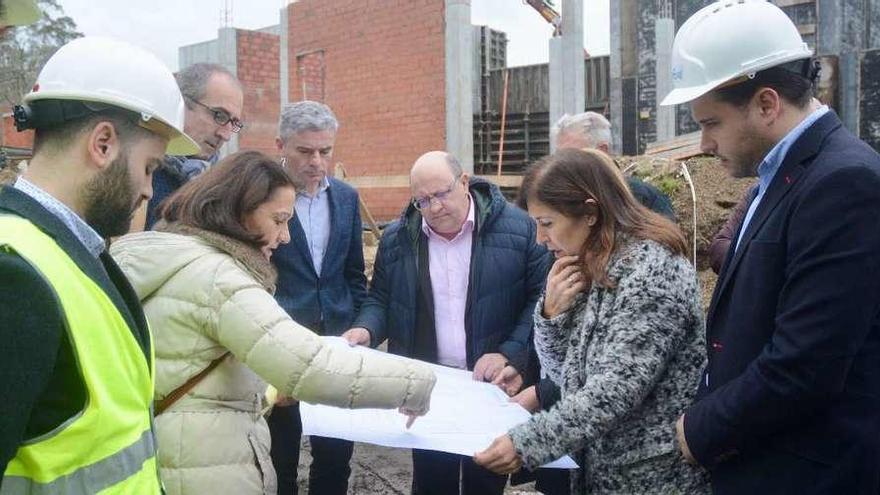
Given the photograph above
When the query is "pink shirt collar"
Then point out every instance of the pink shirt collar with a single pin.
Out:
(466, 228)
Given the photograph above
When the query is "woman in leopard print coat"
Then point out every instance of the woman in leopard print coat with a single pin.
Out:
(619, 328)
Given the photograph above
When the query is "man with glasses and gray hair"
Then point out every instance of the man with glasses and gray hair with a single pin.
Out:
(213, 98)
(321, 284)
(455, 282)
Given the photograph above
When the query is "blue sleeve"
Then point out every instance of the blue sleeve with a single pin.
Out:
(516, 347)
(373, 314)
(354, 260)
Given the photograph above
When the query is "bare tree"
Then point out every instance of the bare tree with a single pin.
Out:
(25, 49)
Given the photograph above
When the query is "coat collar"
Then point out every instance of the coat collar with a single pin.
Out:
(487, 202)
(252, 258)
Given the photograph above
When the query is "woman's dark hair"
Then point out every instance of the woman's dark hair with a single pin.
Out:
(794, 82)
(568, 179)
(219, 199)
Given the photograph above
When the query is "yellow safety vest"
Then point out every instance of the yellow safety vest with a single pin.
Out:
(109, 446)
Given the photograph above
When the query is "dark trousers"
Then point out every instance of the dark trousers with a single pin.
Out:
(438, 473)
(330, 467)
(547, 481)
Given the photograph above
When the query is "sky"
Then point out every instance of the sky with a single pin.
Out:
(165, 25)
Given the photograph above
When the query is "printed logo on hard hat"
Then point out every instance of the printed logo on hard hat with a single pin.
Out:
(677, 73)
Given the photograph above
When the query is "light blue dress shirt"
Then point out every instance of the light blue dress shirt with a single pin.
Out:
(314, 216)
(771, 163)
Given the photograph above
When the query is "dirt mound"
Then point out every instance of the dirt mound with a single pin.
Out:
(716, 195)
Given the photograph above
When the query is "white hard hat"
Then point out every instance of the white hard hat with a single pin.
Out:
(19, 12)
(110, 72)
(727, 40)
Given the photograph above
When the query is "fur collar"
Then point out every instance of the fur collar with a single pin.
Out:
(248, 256)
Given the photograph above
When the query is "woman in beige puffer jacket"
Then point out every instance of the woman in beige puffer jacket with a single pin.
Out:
(206, 293)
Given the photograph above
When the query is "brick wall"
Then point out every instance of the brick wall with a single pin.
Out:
(381, 69)
(257, 64)
(9, 136)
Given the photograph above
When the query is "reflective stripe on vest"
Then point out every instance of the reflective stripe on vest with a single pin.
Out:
(109, 446)
(93, 478)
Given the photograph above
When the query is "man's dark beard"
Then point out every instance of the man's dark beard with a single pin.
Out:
(111, 200)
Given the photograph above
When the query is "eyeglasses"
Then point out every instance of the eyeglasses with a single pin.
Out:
(442, 196)
(221, 117)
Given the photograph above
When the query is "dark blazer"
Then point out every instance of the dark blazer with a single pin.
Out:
(40, 382)
(790, 400)
(506, 278)
(326, 303)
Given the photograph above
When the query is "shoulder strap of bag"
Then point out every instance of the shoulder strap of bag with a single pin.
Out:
(161, 405)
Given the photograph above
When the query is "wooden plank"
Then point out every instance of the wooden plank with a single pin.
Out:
(806, 29)
(684, 141)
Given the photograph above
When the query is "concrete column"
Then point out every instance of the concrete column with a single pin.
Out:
(664, 34)
(615, 86)
(227, 56)
(849, 66)
(567, 63)
(840, 33)
(623, 71)
(283, 66)
(459, 76)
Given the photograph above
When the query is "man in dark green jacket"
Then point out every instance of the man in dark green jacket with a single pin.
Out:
(455, 282)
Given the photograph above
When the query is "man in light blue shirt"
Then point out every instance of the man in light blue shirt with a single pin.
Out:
(789, 401)
(321, 281)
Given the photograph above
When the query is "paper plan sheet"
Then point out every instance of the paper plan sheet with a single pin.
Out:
(465, 417)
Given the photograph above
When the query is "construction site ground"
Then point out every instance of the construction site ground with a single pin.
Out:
(380, 470)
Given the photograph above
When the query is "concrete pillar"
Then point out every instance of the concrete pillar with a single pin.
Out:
(664, 34)
(849, 66)
(841, 33)
(283, 67)
(623, 71)
(227, 56)
(459, 75)
(567, 63)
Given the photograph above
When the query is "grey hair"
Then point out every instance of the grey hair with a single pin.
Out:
(305, 116)
(590, 125)
(193, 80)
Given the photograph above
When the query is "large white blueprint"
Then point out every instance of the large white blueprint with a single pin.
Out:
(465, 417)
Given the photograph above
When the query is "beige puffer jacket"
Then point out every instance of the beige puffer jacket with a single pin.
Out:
(204, 294)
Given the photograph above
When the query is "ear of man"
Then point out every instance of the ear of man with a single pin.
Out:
(103, 145)
(769, 104)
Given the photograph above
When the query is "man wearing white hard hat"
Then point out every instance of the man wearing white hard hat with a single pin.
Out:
(76, 357)
(790, 399)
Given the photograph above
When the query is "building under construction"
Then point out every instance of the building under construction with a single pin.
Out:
(408, 77)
